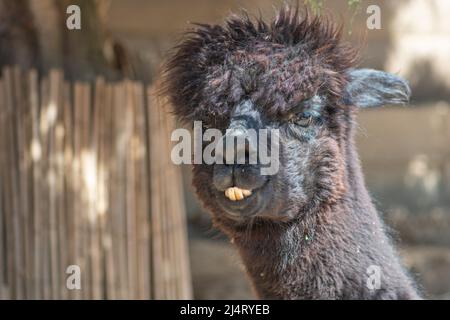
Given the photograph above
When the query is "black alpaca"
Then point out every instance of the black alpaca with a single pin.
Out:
(310, 231)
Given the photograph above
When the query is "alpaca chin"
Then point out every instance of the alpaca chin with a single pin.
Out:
(260, 203)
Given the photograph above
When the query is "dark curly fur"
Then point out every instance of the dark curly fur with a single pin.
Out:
(313, 230)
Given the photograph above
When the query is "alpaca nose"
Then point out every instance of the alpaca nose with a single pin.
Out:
(240, 146)
(239, 151)
(240, 166)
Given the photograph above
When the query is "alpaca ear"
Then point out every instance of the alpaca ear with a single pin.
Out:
(372, 88)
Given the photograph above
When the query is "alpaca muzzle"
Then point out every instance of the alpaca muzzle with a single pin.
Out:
(240, 172)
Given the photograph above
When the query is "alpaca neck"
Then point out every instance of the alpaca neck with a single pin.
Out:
(274, 255)
(324, 254)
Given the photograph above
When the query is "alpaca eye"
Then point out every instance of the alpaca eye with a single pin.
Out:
(303, 120)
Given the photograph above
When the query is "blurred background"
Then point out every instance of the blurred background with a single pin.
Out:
(405, 151)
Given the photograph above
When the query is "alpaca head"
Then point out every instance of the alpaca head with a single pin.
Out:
(295, 75)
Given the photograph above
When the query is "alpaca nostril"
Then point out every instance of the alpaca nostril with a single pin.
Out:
(248, 177)
(222, 176)
(238, 146)
(246, 153)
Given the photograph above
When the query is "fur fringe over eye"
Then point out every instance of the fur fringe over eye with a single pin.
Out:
(276, 65)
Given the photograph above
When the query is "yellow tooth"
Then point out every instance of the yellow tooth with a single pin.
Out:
(232, 195)
(235, 193)
(238, 193)
(229, 193)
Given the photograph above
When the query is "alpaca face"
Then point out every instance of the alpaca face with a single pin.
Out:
(294, 76)
(310, 168)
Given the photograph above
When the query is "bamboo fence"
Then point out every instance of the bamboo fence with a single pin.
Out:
(86, 180)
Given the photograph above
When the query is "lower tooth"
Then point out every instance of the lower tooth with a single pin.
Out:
(238, 194)
(232, 195)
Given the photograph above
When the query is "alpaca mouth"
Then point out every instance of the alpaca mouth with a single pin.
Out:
(239, 203)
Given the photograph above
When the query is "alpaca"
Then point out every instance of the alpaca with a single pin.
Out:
(310, 231)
